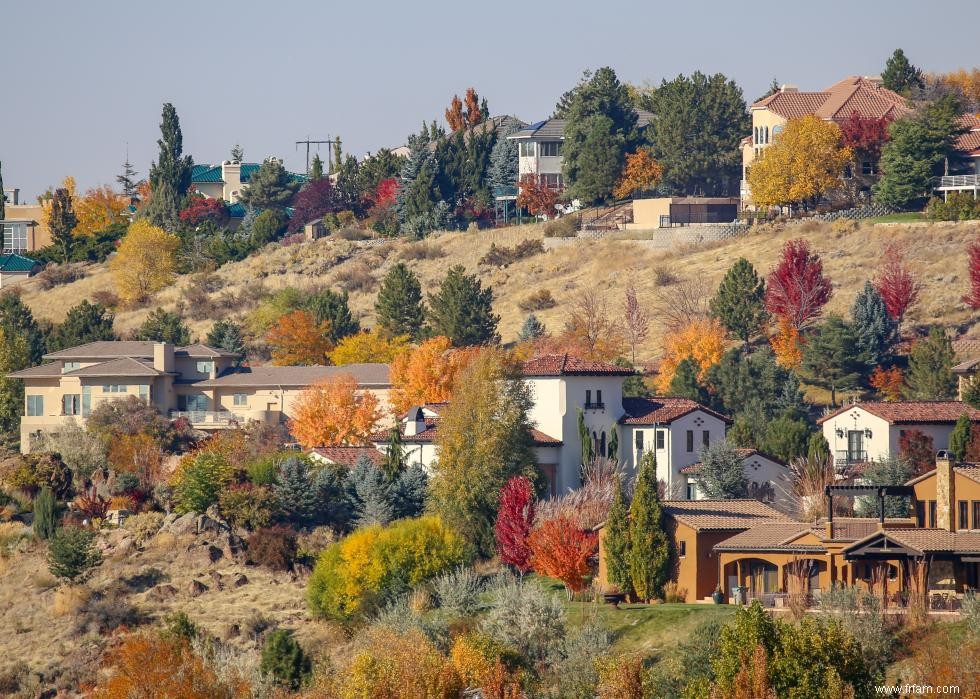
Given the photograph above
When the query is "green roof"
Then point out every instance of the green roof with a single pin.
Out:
(16, 263)
(212, 173)
(236, 210)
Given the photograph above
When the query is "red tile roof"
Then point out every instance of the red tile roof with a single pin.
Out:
(543, 440)
(967, 348)
(770, 536)
(792, 104)
(568, 365)
(866, 96)
(431, 431)
(349, 456)
(661, 410)
(969, 142)
(722, 515)
(912, 412)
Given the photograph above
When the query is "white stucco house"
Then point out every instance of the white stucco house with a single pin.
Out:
(768, 477)
(871, 431)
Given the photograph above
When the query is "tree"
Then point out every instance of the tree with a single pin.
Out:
(739, 301)
(930, 374)
(695, 136)
(804, 160)
(72, 554)
(270, 187)
(503, 169)
(316, 199)
(515, 520)
(370, 494)
(537, 197)
(722, 473)
(649, 547)
(917, 448)
(642, 173)
(164, 326)
(283, 659)
(973, 271)
(399, 304)
(200, 480)
(590, 328)
(585, 440)
(787, 438)
(170, 175)
(875, 332)
(462, 310)
(62, 221)
(45, 514)
(896, 283)
(491, 400)
(333, 412)
(796, 288)
(636, 321)
(269, 225)
(297, 339)
(127, 181)
(238, 153)
(561, 550)
(227, 335)
(460, 118)
(293, 489)
(3, 197)
(900, 75)
(531, 329)
(17, 319)
(201, 210)
(960, 436)
(99, 209)
(395, 455)
(817, 448)
(685, 383)
(616, 542)
(831, 356)
(14, 356)
(427, 374)
(888, 382)
(316, 168)
(702, 341)
(84, 323)
(327, 306)
(145, 263)
(368, 347)
(864, 135)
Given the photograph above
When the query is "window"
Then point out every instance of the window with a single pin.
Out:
(588, 398)
(35, 406)
(551, 180)
(692, 491)
(86, 400)
(71, 404)
(690, 440)
(765, 134)
(240, 399)
(976, 514)
(705, 438)
(920, 513)
(660, 439)
(526, 150)
(681, 548)
(205, 367)
(848, 172)
(14, 237)
(115, 388)
(70, 366)
(964, 515)
(638, 440)
(598, 398)
(755, 135)
(145, 392)
(549, 149)
(867, 167)
(602, 444)
(932, 514)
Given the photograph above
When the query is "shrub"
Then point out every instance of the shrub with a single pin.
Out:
(310, 544)
(422, 250)
(91, 504)
(377, 563)
(396, 665)
(57, 275)
(526, 618)
(143, 526)
(353, 233)
(273, 547)
(961, 206)
(72, 554)
(503, 257)
(674, 594)
(200, 481)
(356, 277)
(103, 613)
(45, 514)
(178, 625)
(459, 591)
(247, 506)
(284, 660)
(106, 297)
(564, 227)
(576, 674)
(843, 226)
(539, 300)
(664, 276)
(268, 226)
(80, 450)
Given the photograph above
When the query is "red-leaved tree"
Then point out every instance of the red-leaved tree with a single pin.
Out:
(515, 519)
(864, 135)
(317, 198)
(973, 269)
(561, 550)
(895, 282)
(537, 197)
(797, 289)
(200, 209)
(386, 192)
(917, 447)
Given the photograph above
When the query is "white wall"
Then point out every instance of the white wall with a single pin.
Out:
(885, 438)
(762, 471)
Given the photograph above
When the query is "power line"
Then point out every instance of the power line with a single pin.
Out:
(330, 142)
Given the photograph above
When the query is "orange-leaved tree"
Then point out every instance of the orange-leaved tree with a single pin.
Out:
(139, 454)
(427, 373)
(787, 345)
(701, 340)
(297, 338)
(561, 550)
(333, 411)
(537, 197)
(369, 346)
(98, 209)
(145, 262)
(641, 172)
(589, 326)
(888, 382)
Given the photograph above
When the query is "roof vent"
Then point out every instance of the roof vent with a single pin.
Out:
(944, 454)
(789, 88)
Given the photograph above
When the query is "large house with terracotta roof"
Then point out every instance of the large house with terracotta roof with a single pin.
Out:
(769, 480)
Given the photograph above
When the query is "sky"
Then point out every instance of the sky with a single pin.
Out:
(82, 82)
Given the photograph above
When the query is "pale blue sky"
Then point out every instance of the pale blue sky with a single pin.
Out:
(81, 79)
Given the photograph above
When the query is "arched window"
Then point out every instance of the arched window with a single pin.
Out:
(755, 135)
(767, 135)
(595, 444)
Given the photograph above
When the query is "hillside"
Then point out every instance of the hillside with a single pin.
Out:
(936, 252)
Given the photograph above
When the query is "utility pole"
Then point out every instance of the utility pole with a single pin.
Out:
(330, 142)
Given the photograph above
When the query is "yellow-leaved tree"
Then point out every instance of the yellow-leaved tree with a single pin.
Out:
(145, 262)
(702, 340)
(332, 412)
(367, 347)
(98, 209)
(805, 160)
(46, 200)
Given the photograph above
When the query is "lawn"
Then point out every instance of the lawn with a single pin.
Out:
(903, 217)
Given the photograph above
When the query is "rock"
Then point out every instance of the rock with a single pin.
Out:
(239, 580)
(162, 593)
(125, 546)
(218, 580)
(207, 524)
(168, 520)
(202, 555)
(230, 632)
(186, 524)
(196, 588)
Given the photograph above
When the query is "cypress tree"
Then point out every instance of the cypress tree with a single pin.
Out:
(63, 221)
(875, 331)
(612, 449)
(959, 438)
(399, 303)
(585, 438)
(615, 543)
(170, 175)
(3, 197)
(86, 322)
(739, 303)
(532, 329)
(930, 375)
(649, 547)
(45, 514)
(284, 660)
(817, 449)
(328, 305)
(462, 310)
(395, 458)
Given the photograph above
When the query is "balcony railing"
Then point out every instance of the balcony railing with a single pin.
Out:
(959, 181)
(850, 457)
(207, 417)
(598, 405)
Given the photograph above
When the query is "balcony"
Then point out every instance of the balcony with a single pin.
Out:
(950, 183)
(595, 405)
(205, 419)
(849, 457)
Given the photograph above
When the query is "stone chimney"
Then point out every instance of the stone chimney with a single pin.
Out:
(789, 88)
(414, 421)
(163, 357)
(945, 491)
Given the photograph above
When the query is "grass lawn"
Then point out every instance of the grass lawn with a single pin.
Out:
(903, 217)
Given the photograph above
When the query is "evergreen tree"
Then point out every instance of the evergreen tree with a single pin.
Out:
(295, 495)
(531, 330)
(462, 310)
(615, 543)
(84, 323)
(328, 305)
(14, 356)
(334, 507)
(348, 185)
(238, 154)
(900, 75)
(564, 103)
(16, 319)
(959, 438)
(399, 303)
(685, 383)
(410, 492)
(585, 439)
(971, 394)
(419, 195)
(722, 473)
(612, 449)
(127, 180)
(164, 326)
(45, 514)
(817, 449)
(370, 493)
(316, 168)
(283, 660)
(930, 375)
(72, 554)
(270, 187)
(383, 165)
(739, 303)
(830, 356)
(787, 438)
(229, 336)
(502, 171)
(170, 175)
(63, 221)
(395, 456)
(875, 331)
(649, 547)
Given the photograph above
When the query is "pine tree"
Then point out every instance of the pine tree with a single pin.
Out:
(739, 303)
(295, 495)
(270, 187)
(63, 221)
(238, 154)
(649, 547)
(616, 543)
(930, 375)
(959, 438)
(283, 659)
(170, 175)
(316, 168)
(3, 197)
(84, 323)
(72, 554)
(370, 494)
(395, 456)
(164, 326)
(127, 180)
(502, 172)
(685, 383)
(971, 394)
(410, 492)
(830, 357)
(531, 330)
(462, 310)
(399, 304)
(875, 331)
(329, 306)
(45, 514)
(229, 336)
(16, 319)
(900, 75)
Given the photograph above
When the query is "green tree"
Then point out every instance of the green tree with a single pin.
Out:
(531, 329)
(612, 449)
(971, 394)
(399, 304)
(45, 514)
(14, 356)
(502, 171)
(316, 168)
(348, 184)
(615, 542)
(170, 175)
(238, 153)
(284, 660)
(370, 494)
(200, 482)
(900, 75)
(830, 356)
(891, 471)
(462, 310)
(127, 180)
(295, 495)
(3, 197)
(328, 305)
(380, 166)
(601, 130)
(395, 456)
(270, 187)
(86, 322)
(817, 448)
(930, 374)
(685, 383)
(585, 439)
(72, 554)
(875, 331)
(16, 319)
(722, 472)
(739, 302)
(229, 336)
(63, 221)
(268, 225)
(786, 438)
(164, 326)
(649, 547)
(959, 438)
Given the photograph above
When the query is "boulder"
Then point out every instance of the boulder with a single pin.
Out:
(196, 588)
(162, 593)
(218, 579)
(239, 580)
(185, 524)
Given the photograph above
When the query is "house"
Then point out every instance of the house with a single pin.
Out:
(872, 430)
(196, 383)
(227, 181)
(964, 174)
(347, 456)
(768, 478)
(22, 229)
(15, 269)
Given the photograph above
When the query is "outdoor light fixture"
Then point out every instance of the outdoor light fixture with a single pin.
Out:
(840, 433)
(867, 432)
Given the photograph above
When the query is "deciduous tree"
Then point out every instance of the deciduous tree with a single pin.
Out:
(864, 135)
(896, 282)
(560, 549)
(515, 520)
(797, 289)
(917, 448)
(589, 326)
(462, 310)
(636, 321)
(739, 301)
(14, 356)
(298, 339)
(888, 382)
(641, 173)
(702, 341)
(316, 199)
(930, 374)
(537, 197)
(466, 113)
(145, 263)
(368, 347)
(333, 411)
(426, 374)
(787, 345)
(100, 208)
(200, 210)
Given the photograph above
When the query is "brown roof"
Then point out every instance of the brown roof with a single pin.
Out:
(912, 412)
(124, 366)
(661, 410)
(431, 431)
(349, 456)
(770, 536)
(298, 376)
(863, 95)
(568, 365)
(744, 452)
(967, 347)
(105, 349)
(792, 104)
(199, 349)
(722, 515)
(42, 371)
(929, 540)
(541, 439)
(971, 471)
(969, 142)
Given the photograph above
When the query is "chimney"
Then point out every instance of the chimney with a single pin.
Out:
(231, 173)
(789, 88)
(163, 357)
(414, 421)
(945, 491)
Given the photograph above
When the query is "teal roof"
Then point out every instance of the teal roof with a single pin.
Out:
(236, 210)
(249, 169)
(16, 263)
(212, 173)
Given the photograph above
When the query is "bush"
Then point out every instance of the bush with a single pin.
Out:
(268, 226)
(844, 226)
(393, 664)
(525, 618)
(57, 275)
(200, 482)
(284, 660)
(539, 300)
(664, 276)
(564, 227)
(143, 526)
(179, 626)
(247, 506)
(45, 514)
(376, 563)
(72, 554)
(961, 206)
(309, 545)
(503, 257)
(356, 277)
(422, 250)
(273, 547)
(102, 614)
(459, 591)
(106, 298)
(674, 594)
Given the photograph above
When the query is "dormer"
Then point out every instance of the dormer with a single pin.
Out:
(414, 421)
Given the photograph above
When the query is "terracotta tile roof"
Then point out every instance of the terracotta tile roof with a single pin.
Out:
(349, 456)
(967, 347)
(568, 365)
(745, 453)
(375, 375)
(543, 440)
(792, 105)
(770, 536)
(866, 96)
(722, 515)
(967, 368)
(431, 431)
(912, 412)
(661, 410)
(970, 141)
(931, 540)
